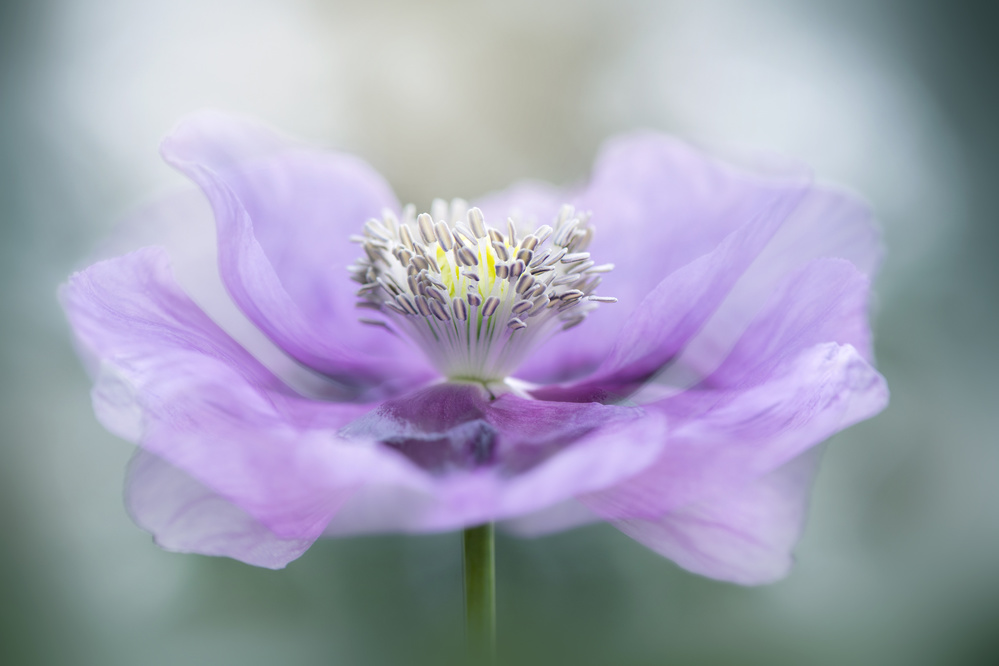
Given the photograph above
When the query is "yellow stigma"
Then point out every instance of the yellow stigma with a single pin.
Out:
(456, 283)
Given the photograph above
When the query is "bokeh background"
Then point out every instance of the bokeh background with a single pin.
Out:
(897, 99)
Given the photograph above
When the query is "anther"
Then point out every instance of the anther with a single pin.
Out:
(463, 237)
(437, 295)
(444, 236)
(460, 309)
(501, 251)
(404, 256)
(426, 224)
(540, 304)
(395, 308)
(539, 259)
(477, 222)
(407, 303)
(467, 257)
(490, 306)
(524, 283)
(555, 257)
(423, 305)
(439, 311)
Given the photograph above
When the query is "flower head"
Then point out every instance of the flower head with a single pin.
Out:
(470, 364)
(465, 291)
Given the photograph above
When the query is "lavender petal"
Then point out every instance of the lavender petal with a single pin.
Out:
(745, 537)
(283, 215)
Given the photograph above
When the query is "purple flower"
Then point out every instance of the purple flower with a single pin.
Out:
(472, 365)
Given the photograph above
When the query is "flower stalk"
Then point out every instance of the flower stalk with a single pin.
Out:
(479, 562)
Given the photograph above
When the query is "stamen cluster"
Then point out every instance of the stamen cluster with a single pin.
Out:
(474, 298)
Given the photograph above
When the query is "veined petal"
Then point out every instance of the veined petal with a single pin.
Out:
(681, 229)
(283, 215)
(825, 301)
(660, 203)
(668, 317)
(169, 378)
(125, 311)
(746, 537)
(794, 379)
(695, 332)
(476, 460)
(698, 247)
(722, 440)
(184, 516)
(828, 226)
(183, 224)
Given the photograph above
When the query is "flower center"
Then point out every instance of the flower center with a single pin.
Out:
(475, 299)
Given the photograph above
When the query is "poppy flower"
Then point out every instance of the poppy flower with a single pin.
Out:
(661, 348)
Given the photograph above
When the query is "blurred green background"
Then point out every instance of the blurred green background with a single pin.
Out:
(896, 99)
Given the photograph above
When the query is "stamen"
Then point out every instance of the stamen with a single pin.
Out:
(476, 299)
(460, 309)
(444, 236)
(477, 223)
(490, 307)
(467, 257)
(426, 228)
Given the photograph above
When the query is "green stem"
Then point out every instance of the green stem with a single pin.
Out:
(480, 593)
